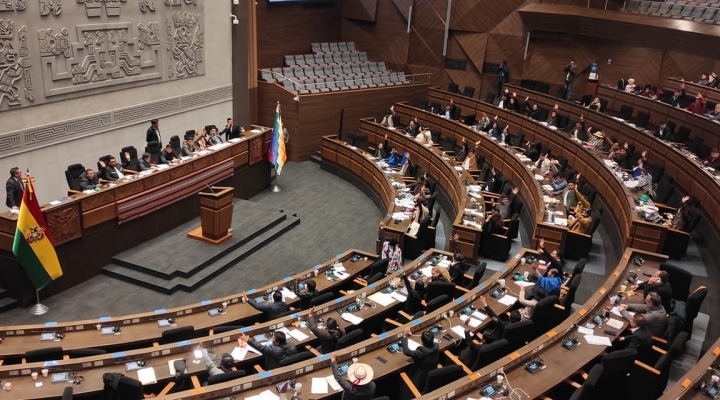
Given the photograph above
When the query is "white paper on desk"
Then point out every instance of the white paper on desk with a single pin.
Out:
(253, 350)
(585, 331)
(539, 177)
(342, 275)
(479, 315)
(614, 323)
(288, 294)
(268, 395)
(444, 263)
(338, 266)
(476, 188)
(561, 221)
(413, 345)
(631, 184)
(459, 168)
(353, 319)
(474, 323)
(547, 188)
(400, 216)
(319, 386)
(617, 312)
(476, 195)
(507, 300)
(427, 271)
(398, 296)
(381, 298)
(146, 376)
(238, 353)
(598, 340)
(524, 283)
(55, 202)
(162, 166)
(333, 383)
(459, 330)
(298, 335)
(256, 130)
(235, 140)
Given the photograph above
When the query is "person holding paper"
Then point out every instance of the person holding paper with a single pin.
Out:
(275, 352)
(655, 316)
(328, 334)
(307, 295)
(359, 384)
(271, 310)
(425, 358)
(226, 362)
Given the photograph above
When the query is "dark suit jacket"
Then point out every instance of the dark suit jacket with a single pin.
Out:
(144, 166)
(151, 135)
(14, 193)
(425, 359)
(663, 133)
(713, 163)
(165, 158)
(87, 184)
(639, 339)
(110, 174)
(232, 132)
(271, 309)
(572, 70)
(664, 290)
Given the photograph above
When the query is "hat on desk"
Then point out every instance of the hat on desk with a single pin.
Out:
(360, 374)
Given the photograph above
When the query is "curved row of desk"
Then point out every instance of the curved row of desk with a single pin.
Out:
(707, 92)
(689, 175)
(617, 198)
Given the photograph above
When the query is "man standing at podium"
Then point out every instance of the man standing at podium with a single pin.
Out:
(14, 188)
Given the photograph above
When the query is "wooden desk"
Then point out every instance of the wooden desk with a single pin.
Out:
(107, 222)
(140, 330)
(684, 388)
(617, 198)
(708, 93)
(690, 177)
(561, 363)
(366, 351)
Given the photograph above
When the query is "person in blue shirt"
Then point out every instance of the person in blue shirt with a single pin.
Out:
(559, 184)
(552, 282)
(639, 169)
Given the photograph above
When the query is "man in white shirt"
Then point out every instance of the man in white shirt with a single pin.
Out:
(543, 164)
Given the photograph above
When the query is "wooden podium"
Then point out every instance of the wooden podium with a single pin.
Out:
(216, 210)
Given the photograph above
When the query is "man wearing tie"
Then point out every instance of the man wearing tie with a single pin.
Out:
(663, 132)
(14, 188)
(231, 131)
(153, 132)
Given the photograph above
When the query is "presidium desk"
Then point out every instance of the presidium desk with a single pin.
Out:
(88, 229)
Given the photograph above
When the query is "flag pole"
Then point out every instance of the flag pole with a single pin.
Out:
(38, 308)
(276, 189)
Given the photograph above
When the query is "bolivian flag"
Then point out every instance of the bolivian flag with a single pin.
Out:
(32, 245)
(276, 153)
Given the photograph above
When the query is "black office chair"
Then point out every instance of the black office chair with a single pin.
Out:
(432, 229)
(453, 87)
(694, 143)
(72, 175)
(679, 280)
(642, 119)
(692, 308)
(178, 334)
(469, 91)
(435, 136)
(579, 267)
(119, 386)
(489, 97)
(154, 148)
(175, 144)
(79, 353)
(440, 377)
(379, 265)
(496, 247)
(375, 278)
(477, 275)
(586, 100)
(226, 328)
(436, 303)
(542, 87)
(435, 107)
(518, 334)
(625, 112)
(301, 356)
(67, 393)
(225, 377)
(490, 353)
(614, 377)
(586, 389)
(423, 104)
(349, 339)
(513, 227)
(437, 289)
(133, 163)
(578, 245)
(676, 242)
(682, 134)
(569, 298)
(47, 354)
(545, 315)
(449, 144)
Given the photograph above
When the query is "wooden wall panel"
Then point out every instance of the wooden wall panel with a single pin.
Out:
(480, 15)
(287, 28)
(677, 64)
(428, 33)
(362, 10)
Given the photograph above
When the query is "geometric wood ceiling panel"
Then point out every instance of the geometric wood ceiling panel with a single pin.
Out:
(363, 10)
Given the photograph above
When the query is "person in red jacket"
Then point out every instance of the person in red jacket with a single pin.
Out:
(697, 106)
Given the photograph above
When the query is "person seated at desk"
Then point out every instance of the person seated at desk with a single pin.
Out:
(507, 205)
(463, 153)
(425, 358)
(596, 140)
(493, 182)
(420, 211)
(469, 354)
(578, 131)
(213, 138)
(655, 315)
(682, 217)
(271, 310)
(225, 365)
(457, 269)
(412, 128)
(188, 148)
(677, 97)
(505, 134)
(595, 104)
(658, 283)
(388, 120)
(200, 140)
(439, 274)
(630, 86)
(470, 163)
(393, 252)
(552, 119)
(569, 194)
(553, 258)
(449, 110)
(168, 155)
(559, 184)
(112, 171)
(418, 185)
(307, 295)
(621, 157)
(714, 115)
(663, 131)
(144, 164)
(697, 106)
(424, 136)
(639, 169)
(645, 182)
(640, 338)
(382, 149)
(534, 111)
(484, 124)
(424, 194)
(89, 180)
(580, 224)
(328, 334)
(416, 294)
(278, 350)
(703, 79)
(543, 164)
(493, 225)
(529, 300)
(512, 104)
(713, 160)
(495, 131)
(713, 81)
(359, 384)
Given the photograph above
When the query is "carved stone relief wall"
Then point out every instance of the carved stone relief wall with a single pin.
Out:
(53, 50)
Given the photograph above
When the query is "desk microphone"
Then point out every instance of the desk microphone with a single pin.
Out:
(206, 185)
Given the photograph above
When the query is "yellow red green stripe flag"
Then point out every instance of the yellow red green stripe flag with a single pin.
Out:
(276, 153)
(32, 245)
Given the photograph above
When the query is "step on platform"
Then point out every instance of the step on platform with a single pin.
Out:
(193, 263)
(7, 303)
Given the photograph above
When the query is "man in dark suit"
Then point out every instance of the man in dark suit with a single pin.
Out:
(413, 128)
(677, 97)
(14, 188)
(663, 131)
(145, 164)
(153, 132)
(658, 283)
(425, 358)
(713, 160)
(570, 71)
(231, 130)
(493, 182)
(640, 339)
(271, 310)
(168, 155)
(112, 171)
(89, 180)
